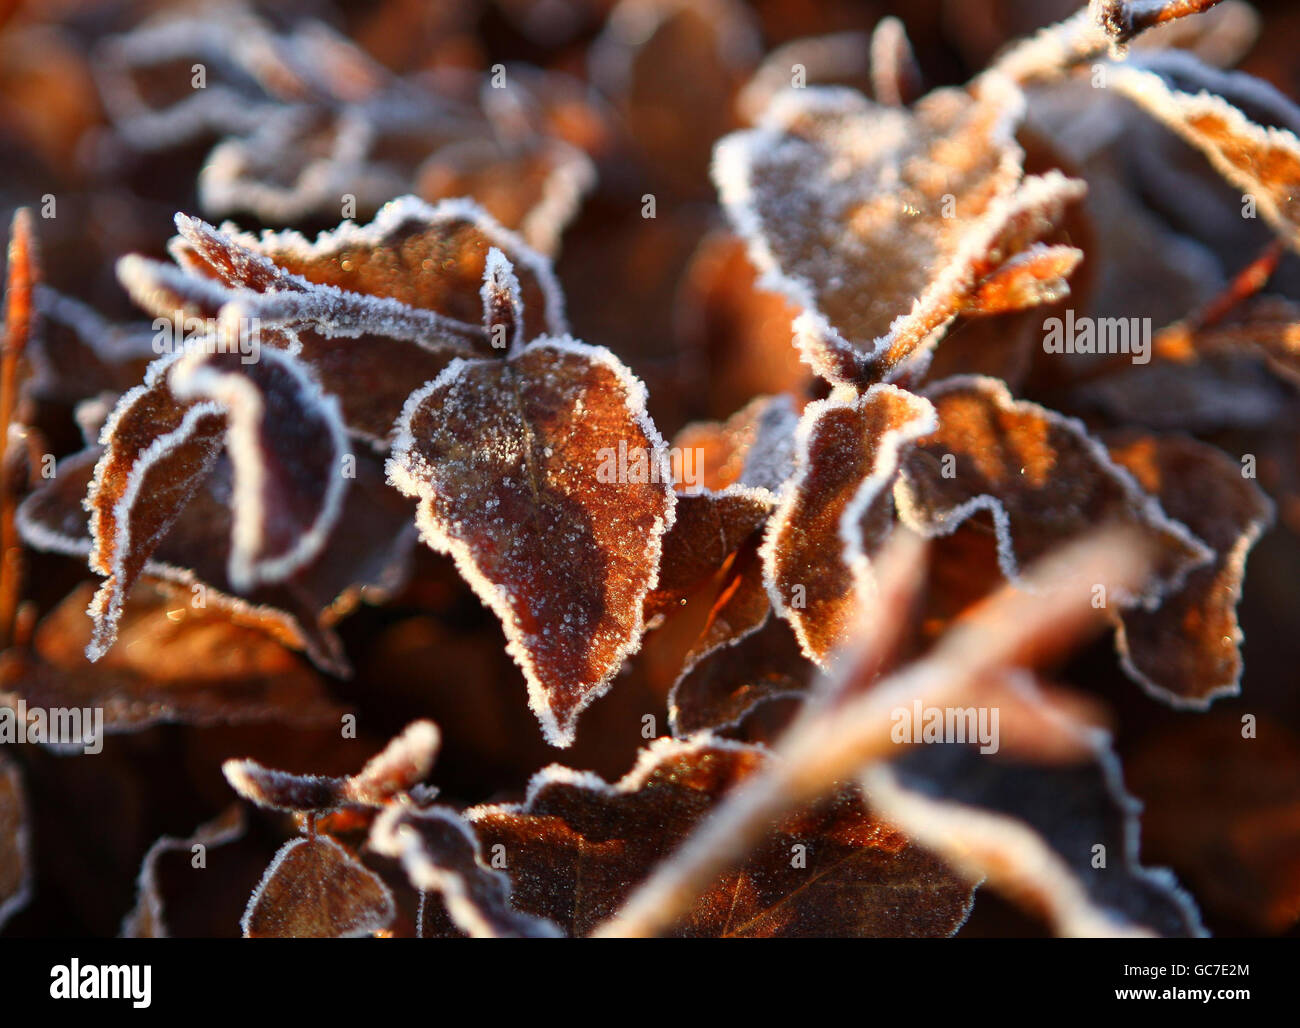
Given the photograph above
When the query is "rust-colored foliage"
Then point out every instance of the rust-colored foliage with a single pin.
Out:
(759, 404)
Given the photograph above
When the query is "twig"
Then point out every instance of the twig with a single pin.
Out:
(841, 741)
(20, 276)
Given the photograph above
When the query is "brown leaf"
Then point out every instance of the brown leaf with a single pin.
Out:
(545, 480)
(1188, 650)
(720, 686)
(315, 889)
(879, 222)
(441, 855)
(397, 769)
(15, 842)
(165, 437)
(837, 510)
(1245, 128)
(1037, 830)
(149, 919)
(177, 663)
(708, 528)
(1039, 474)
(577, 847)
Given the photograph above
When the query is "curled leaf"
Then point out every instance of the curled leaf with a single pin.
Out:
(838, 509)
(441, 855)
(880, 223)
(1041, 476)
(1188, 650)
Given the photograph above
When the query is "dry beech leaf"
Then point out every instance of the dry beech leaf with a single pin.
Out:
(373, 310)
(315, 889)
(193, 556)
(1188, 650)
(754, 448)
(75, 353)
(720, 687)
(1034, 829)
(578, 846)
(15, 842)
(1267, 327)
(148, 919)
(397, 769)
(441, 855)
(544, 478)
(146, 77)
(1246, 128)
(1040, 475)
(837, 509)
(708, 528)
(163, 439)
(880, 223)
(1032, 278)
(176, 663)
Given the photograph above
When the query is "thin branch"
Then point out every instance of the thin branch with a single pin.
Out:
(1052, 605)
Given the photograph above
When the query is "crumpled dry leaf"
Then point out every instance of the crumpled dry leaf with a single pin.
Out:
(314, 888)
(396, 770)
(1188, 650)
(578, 846)
(837, 509)
(1040, 475)
(287, 488)
(1059, 836)
(544, 478)
(177, 663)
(15, 843)
(441, 855)
(1246, 128)
(761, 662)
(882, 223)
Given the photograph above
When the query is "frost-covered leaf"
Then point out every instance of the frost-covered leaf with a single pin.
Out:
(149, 918)
(578, 846)
(708, 529)
(441, 855)
(1032, 278)
(544, 478)
(1040, 475)
(1037, 830)
(76, 353)
(15, 842)
(165, 437)
(1187, 651)
(426, 257)
(192, 558)
(397, 769)
(837, 510)
(880, 222)
(175, 663)
(754, 448)
(314, 888)
(755, 659)
(1245, 127)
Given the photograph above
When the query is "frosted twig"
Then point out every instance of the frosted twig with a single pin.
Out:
(843, 739)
